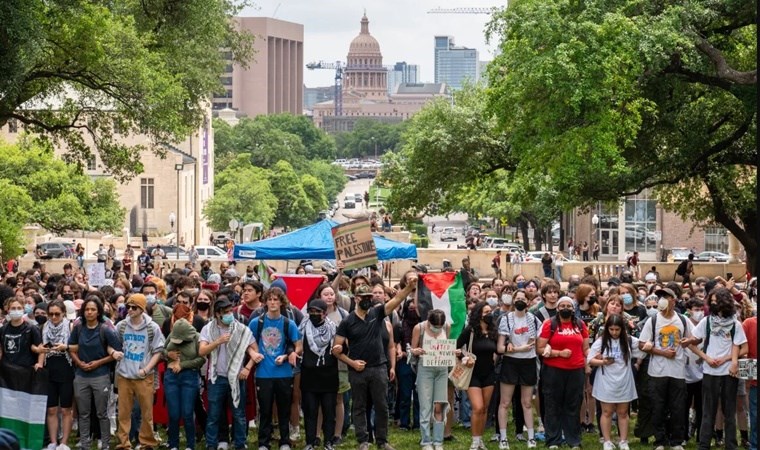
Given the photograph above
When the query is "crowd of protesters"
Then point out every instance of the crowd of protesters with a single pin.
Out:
(216, 354)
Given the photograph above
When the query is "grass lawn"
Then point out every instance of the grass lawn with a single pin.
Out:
(374, 192)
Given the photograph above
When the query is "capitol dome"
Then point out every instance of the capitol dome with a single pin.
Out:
(364, 75)
(364, 43)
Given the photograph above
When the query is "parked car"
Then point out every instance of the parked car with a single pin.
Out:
(349, 201)
(680, 253)
(712, 256)
(368, 175)
(448, 234)
(211, 252)
(536, 256)
(358, 198)
(50, 250)
(220, 238)
(170, 251)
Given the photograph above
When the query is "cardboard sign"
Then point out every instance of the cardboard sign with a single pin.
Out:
(747, 369)
(439, 352)
(96, 273)
(354, 244)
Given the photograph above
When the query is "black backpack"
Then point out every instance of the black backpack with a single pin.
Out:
(681, 269)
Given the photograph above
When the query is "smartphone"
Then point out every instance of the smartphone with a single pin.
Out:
(729, 275)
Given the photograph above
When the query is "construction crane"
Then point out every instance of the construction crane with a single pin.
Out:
(465, 10)
(338, 67)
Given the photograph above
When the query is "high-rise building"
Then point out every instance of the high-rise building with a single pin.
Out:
(402, 73)
(273, 81)
(454, 65)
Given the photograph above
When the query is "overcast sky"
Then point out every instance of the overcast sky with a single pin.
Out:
(403, 28)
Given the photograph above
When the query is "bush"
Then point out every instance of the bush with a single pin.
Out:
(420, 241)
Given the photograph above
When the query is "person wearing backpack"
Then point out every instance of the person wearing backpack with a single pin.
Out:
(722, 335)
(686, 268)
(143, 346)
(91, 345)
(277, 344)
(661, 337)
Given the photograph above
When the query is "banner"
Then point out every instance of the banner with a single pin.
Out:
(24, 403)
(443, 291)
(354, 245)
(300, 287)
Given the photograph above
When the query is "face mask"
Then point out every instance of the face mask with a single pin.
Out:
(520, 284)
(506, 299)
(697, 315)
(642, 298)
(520, 305)
(28, 309)
(227, 318)
(651, 312)
(202, 306)
(40, 320)
(435, 330)
(68, 296)
(118, 291)
(627, 299)
(492, 301)
(485, 319)
(566, 313)
(121, 307)
(15, 314)
(591, 300)
(151, 298)
(662, 304)
(316, 319)
(365, 303)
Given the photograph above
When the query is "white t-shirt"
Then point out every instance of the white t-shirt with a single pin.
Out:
(693, 365)
(519, 331)
(668, 334)
(720, 343)
(615, 383)
(221, 357)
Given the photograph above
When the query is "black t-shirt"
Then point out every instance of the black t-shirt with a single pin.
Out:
(365, 337)
(17, 343)
(322, 378)
(586, 315)
(637, 311)
(59, 369)
(483, 347)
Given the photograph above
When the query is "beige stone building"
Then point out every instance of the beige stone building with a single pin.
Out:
(273, 81)
(174, 187)
(365, 89)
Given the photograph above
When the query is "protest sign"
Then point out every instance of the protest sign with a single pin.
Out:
(354, 245)
(439, 352)
(96, 274)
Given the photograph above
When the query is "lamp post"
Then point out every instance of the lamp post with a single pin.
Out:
(172, 221)
(178, 168)
(595, 222)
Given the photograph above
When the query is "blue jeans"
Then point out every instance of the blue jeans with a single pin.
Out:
(752, 417)
(181, 390)
(217, 393)
(432, 387)
(407, 396)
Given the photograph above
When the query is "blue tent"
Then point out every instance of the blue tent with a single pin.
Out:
(316, 242)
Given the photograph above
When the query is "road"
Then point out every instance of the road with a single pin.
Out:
(359, 186)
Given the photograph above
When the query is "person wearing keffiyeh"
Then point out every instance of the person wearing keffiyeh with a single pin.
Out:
(55, 335)
(226, 342)
(319, 373)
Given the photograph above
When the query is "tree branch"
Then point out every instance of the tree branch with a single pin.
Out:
(725, 72)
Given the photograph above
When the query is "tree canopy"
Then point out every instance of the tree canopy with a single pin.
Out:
(360, 142)
(76, 71)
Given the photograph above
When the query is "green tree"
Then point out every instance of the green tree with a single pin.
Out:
(360, 142)
(294, 208)
(63, 197)
(75, 71)
(14, 213)
(318, 144)
(315, 191)
(612, 98)
(244, 194)
(332, 177)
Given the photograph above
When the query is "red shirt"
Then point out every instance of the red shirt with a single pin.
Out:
(750, 329)
(566, 336)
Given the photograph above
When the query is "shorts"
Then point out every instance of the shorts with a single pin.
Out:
(483, 380)
(343, 384)
(519, 371)
(60, 393)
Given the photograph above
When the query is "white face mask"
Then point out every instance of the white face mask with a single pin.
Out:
(662, 304)
(492, 301)
(697, 315)
(506, 299)
(118, 291)
(651, 312)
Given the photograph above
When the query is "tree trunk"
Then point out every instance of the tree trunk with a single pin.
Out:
(523, 224)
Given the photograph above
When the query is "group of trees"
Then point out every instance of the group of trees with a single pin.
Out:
(272, 169)
(591, 101)
(369, 136)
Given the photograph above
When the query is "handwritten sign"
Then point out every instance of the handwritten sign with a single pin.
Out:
(96, 273)
(354, 244)
(439, 352)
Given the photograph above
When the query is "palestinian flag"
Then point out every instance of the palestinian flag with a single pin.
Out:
(264, 273)
(443, 291)
(300, 287)
(24, 401)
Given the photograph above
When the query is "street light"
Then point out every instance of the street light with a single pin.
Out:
(178, 168)
(595, 221)
(172, 221)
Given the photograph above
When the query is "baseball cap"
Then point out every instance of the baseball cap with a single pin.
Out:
(665, 292)
(221, 303)
(317, 304)
(363, 291)
(71, 310)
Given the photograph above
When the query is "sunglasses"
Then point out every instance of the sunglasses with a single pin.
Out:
(133, 307)
(54, 314)
(651, 307)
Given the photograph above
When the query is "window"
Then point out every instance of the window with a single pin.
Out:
(12, 126)
(147, 188)
(716, 239)
(640, 224)
(92, 163)
(226, 81)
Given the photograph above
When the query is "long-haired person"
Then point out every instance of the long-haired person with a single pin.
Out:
(55, 338)
(483, 330)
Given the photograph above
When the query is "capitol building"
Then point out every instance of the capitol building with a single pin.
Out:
(365, 89)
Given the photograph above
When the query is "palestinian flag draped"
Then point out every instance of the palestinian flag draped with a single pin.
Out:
(300, 287)
(443, 291)
(24, 400)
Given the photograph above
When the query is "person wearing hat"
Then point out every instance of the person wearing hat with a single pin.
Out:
(563, 343)
(661, 336)
(143, 346)
(181, 380)
(368, 373)
(226, 342)
(319, 374)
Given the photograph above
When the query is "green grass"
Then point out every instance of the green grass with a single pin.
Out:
(374, 192)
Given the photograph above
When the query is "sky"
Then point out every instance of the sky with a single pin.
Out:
(403, 28)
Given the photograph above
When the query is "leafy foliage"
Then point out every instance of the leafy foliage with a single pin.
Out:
(77, 70)
(360, 142)
(295, 207)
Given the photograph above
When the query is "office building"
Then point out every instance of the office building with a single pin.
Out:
(455, 65)
(402, 73)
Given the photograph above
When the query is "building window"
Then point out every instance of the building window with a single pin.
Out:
(92, 163)
(716, 239)
(226, 81)
(12, 126)
(640, 224)
(147, 188)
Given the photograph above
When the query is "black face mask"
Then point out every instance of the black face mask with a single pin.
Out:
(566, 313)
(203, 306)
(520, 305)
(40, 320)
(365, 303)
(591, 300)
(68, 296)
(316, 319)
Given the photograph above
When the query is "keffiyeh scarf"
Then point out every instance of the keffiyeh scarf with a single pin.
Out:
(319, 338)
(57, 334)
(236, 348)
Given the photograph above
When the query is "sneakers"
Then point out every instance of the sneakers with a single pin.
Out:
(62, 447)
(623, 445)
(223, 446)
(427, 447)
(437, 446)
(495, 437)
(531, 443)
(503, 445)
(474, 445)
(285, 447)
(520, 437)
(309, 447)
(676, 447)
(261, 447)
(386, 446)
(659, 447)
(295, 433)
(52, 446)
(540, 436)
(551, 447)
(364, 446)
(608, 445)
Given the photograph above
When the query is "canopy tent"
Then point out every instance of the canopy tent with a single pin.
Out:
(316, 242)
